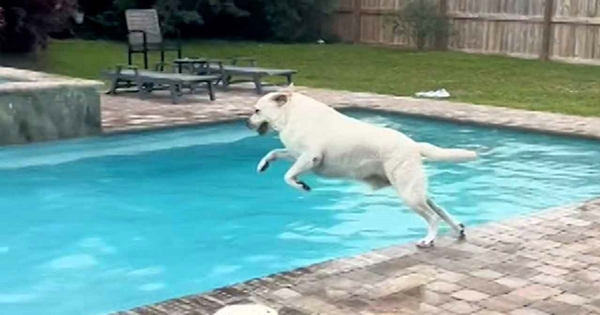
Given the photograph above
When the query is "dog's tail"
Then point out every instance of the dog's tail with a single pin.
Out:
(436, 154)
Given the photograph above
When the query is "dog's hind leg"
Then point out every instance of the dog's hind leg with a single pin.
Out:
(418, 203)
(408, 178)
(303, 164)
(432, 228)
(459, 228)
(273, 156)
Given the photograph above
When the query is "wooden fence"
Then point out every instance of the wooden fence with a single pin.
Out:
(565, 30)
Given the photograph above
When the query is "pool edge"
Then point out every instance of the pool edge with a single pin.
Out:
(577, 134)
(289, 290)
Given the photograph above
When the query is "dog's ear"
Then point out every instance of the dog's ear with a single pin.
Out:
(284, 95)
(282, 98)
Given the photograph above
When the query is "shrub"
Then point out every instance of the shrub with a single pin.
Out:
(298, 20)
(25, 24)
(107, 19)
(273, 20)
(280, 20)
(173, 15)
(2, 19)
(421, 21)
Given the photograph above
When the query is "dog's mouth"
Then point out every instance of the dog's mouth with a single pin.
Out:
(263, 128)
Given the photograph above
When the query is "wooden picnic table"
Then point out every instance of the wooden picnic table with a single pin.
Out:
(251, 73)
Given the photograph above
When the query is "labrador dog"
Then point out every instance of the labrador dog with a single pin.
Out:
(321, 140)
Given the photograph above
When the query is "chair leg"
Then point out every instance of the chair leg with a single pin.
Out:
(258, 84)
(130, 57)
(174, 92)
(225, 80)
(141, 90)
(289, 79)
(179, 57)
(113, 85)
(211, 90)
(146, 59)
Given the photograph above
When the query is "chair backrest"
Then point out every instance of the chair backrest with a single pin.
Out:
(143, 20)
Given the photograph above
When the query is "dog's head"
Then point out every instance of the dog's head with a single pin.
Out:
(269, 110)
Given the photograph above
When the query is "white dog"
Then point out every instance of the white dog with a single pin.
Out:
(319, 139)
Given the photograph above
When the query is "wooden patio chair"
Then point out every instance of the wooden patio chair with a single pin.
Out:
(145, 35)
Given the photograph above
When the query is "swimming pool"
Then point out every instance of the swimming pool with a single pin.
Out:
(99, 225)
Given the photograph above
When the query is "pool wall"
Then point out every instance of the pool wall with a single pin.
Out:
(37, 107)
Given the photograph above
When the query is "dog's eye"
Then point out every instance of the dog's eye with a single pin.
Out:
(257, 110)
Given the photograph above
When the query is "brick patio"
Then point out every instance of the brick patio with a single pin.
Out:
(547, 263)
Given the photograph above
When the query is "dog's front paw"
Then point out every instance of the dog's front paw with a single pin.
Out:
(304, 186)
(298, 184)
(262, 166)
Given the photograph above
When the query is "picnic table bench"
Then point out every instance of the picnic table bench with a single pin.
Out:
(256, 75)
(252, 73)
(147, 81)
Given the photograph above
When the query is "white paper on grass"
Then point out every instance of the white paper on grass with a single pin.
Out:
(441, 93)
(246, 309)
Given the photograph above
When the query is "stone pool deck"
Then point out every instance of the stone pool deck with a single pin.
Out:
(546, 263)
(126, 112)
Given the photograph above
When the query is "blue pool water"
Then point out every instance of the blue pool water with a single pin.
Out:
(100, 225)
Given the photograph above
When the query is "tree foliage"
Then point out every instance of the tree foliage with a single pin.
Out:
(25, 24)
(421, 21)
(298, 20)
(108, 20)
(280, 20)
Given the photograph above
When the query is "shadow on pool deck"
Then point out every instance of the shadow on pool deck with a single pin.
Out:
(547, 263)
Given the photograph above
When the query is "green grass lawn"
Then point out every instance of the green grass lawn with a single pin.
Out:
(500, 81)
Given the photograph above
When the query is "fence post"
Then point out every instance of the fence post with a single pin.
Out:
(356, 8)
(547, 30)
(442, 43)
